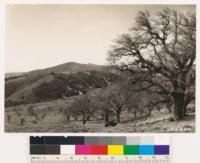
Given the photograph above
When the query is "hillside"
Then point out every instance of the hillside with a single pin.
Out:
(52, 83)
(76, 97)
(9, 76)
(55, 121)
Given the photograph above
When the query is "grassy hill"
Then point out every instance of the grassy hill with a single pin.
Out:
(50, 100)
(52, 83)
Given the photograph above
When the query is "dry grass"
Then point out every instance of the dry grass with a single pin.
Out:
(55, 122)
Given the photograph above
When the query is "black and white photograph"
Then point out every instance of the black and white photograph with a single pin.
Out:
(100, 68)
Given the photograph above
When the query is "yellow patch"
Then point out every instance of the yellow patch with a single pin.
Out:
(115, 149)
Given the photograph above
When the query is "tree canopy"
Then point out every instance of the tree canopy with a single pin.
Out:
(159, 52)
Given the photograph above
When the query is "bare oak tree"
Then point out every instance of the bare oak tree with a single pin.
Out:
(159, 52)
(84, 107)
(114, 99)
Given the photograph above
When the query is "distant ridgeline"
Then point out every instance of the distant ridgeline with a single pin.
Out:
(57, 82)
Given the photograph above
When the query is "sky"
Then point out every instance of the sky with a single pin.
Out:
(41, 36)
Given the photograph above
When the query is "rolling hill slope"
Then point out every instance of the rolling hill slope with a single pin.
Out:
(52, 83)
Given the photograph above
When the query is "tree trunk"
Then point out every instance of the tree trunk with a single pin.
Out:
(185, 111)
(135, 114)
(106, 115)
(84, 119)
(75, 118)
(179, 106)
(141, 111)
(68, 117)
(118, 117)
(170, 109)
(150, 111)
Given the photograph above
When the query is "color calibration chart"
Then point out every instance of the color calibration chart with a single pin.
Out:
(100, 149)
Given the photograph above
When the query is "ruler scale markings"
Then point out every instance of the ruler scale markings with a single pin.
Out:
(93, 149)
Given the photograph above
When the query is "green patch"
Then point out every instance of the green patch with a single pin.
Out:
(131, 149)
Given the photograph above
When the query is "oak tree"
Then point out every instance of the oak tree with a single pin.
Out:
(159, 52)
